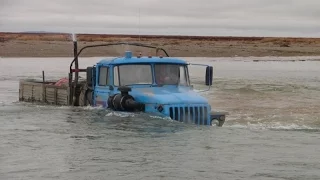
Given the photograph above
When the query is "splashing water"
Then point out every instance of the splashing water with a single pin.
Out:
(272, 130)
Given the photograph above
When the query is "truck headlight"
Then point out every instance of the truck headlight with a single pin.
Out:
(214, 122)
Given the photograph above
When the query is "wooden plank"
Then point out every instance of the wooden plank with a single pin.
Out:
(50, 95)
(21, 91)
(55, 96)
(34, 83)
(37, 91)
(57, 87)
(43, 94)
(27, 93)
(62, 96)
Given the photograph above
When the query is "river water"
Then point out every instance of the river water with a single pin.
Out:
(272, 130)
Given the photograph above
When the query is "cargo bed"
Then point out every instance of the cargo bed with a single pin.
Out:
(43, 92)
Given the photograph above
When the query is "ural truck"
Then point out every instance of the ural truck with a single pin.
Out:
(159, 85)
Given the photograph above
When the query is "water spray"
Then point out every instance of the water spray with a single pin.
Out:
(74, 37)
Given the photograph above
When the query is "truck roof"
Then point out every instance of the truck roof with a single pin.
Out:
(128, 59)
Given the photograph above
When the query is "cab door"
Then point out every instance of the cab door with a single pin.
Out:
(102, 88)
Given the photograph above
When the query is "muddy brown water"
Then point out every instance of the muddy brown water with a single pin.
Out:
(272, 130)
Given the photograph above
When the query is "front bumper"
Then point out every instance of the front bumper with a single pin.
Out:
(199, 114)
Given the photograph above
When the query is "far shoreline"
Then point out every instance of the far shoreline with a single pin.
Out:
(211, 59)
(61, 45)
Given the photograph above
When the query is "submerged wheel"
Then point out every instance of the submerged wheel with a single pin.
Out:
(85, 96)
(89, 97)
(77, 91)
(82, 98)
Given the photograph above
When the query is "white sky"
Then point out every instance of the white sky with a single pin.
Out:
(175, 17)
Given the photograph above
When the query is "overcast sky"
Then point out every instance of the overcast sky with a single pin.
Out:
(179, 17)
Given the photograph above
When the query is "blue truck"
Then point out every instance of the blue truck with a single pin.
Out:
(159, 85)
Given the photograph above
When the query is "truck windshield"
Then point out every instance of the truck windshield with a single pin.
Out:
(171, 74)
(133, 74)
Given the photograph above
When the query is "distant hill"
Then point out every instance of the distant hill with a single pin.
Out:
(175, 39)
(186, 46)
(40, 32)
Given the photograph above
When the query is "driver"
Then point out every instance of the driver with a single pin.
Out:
(164, 76)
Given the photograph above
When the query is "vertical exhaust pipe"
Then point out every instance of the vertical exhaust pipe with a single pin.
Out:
(72, 85)
(75, 52)
(76, 64)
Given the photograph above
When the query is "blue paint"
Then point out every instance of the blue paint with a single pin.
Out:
(143, 59)
(179, 102)
(128, 54)
(169, 94)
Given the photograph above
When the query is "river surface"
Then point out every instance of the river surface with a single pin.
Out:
(272, 130)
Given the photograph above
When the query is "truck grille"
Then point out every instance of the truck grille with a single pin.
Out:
(190, 114)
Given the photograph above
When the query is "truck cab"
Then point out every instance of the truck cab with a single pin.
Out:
(151, 84)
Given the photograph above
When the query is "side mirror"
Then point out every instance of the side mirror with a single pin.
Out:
(209, 75)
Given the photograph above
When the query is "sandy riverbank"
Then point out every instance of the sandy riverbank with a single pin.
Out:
(60, 45)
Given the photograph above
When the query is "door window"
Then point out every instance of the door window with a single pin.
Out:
(103, 76)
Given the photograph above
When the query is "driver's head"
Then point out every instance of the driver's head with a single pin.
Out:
(160, 69)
